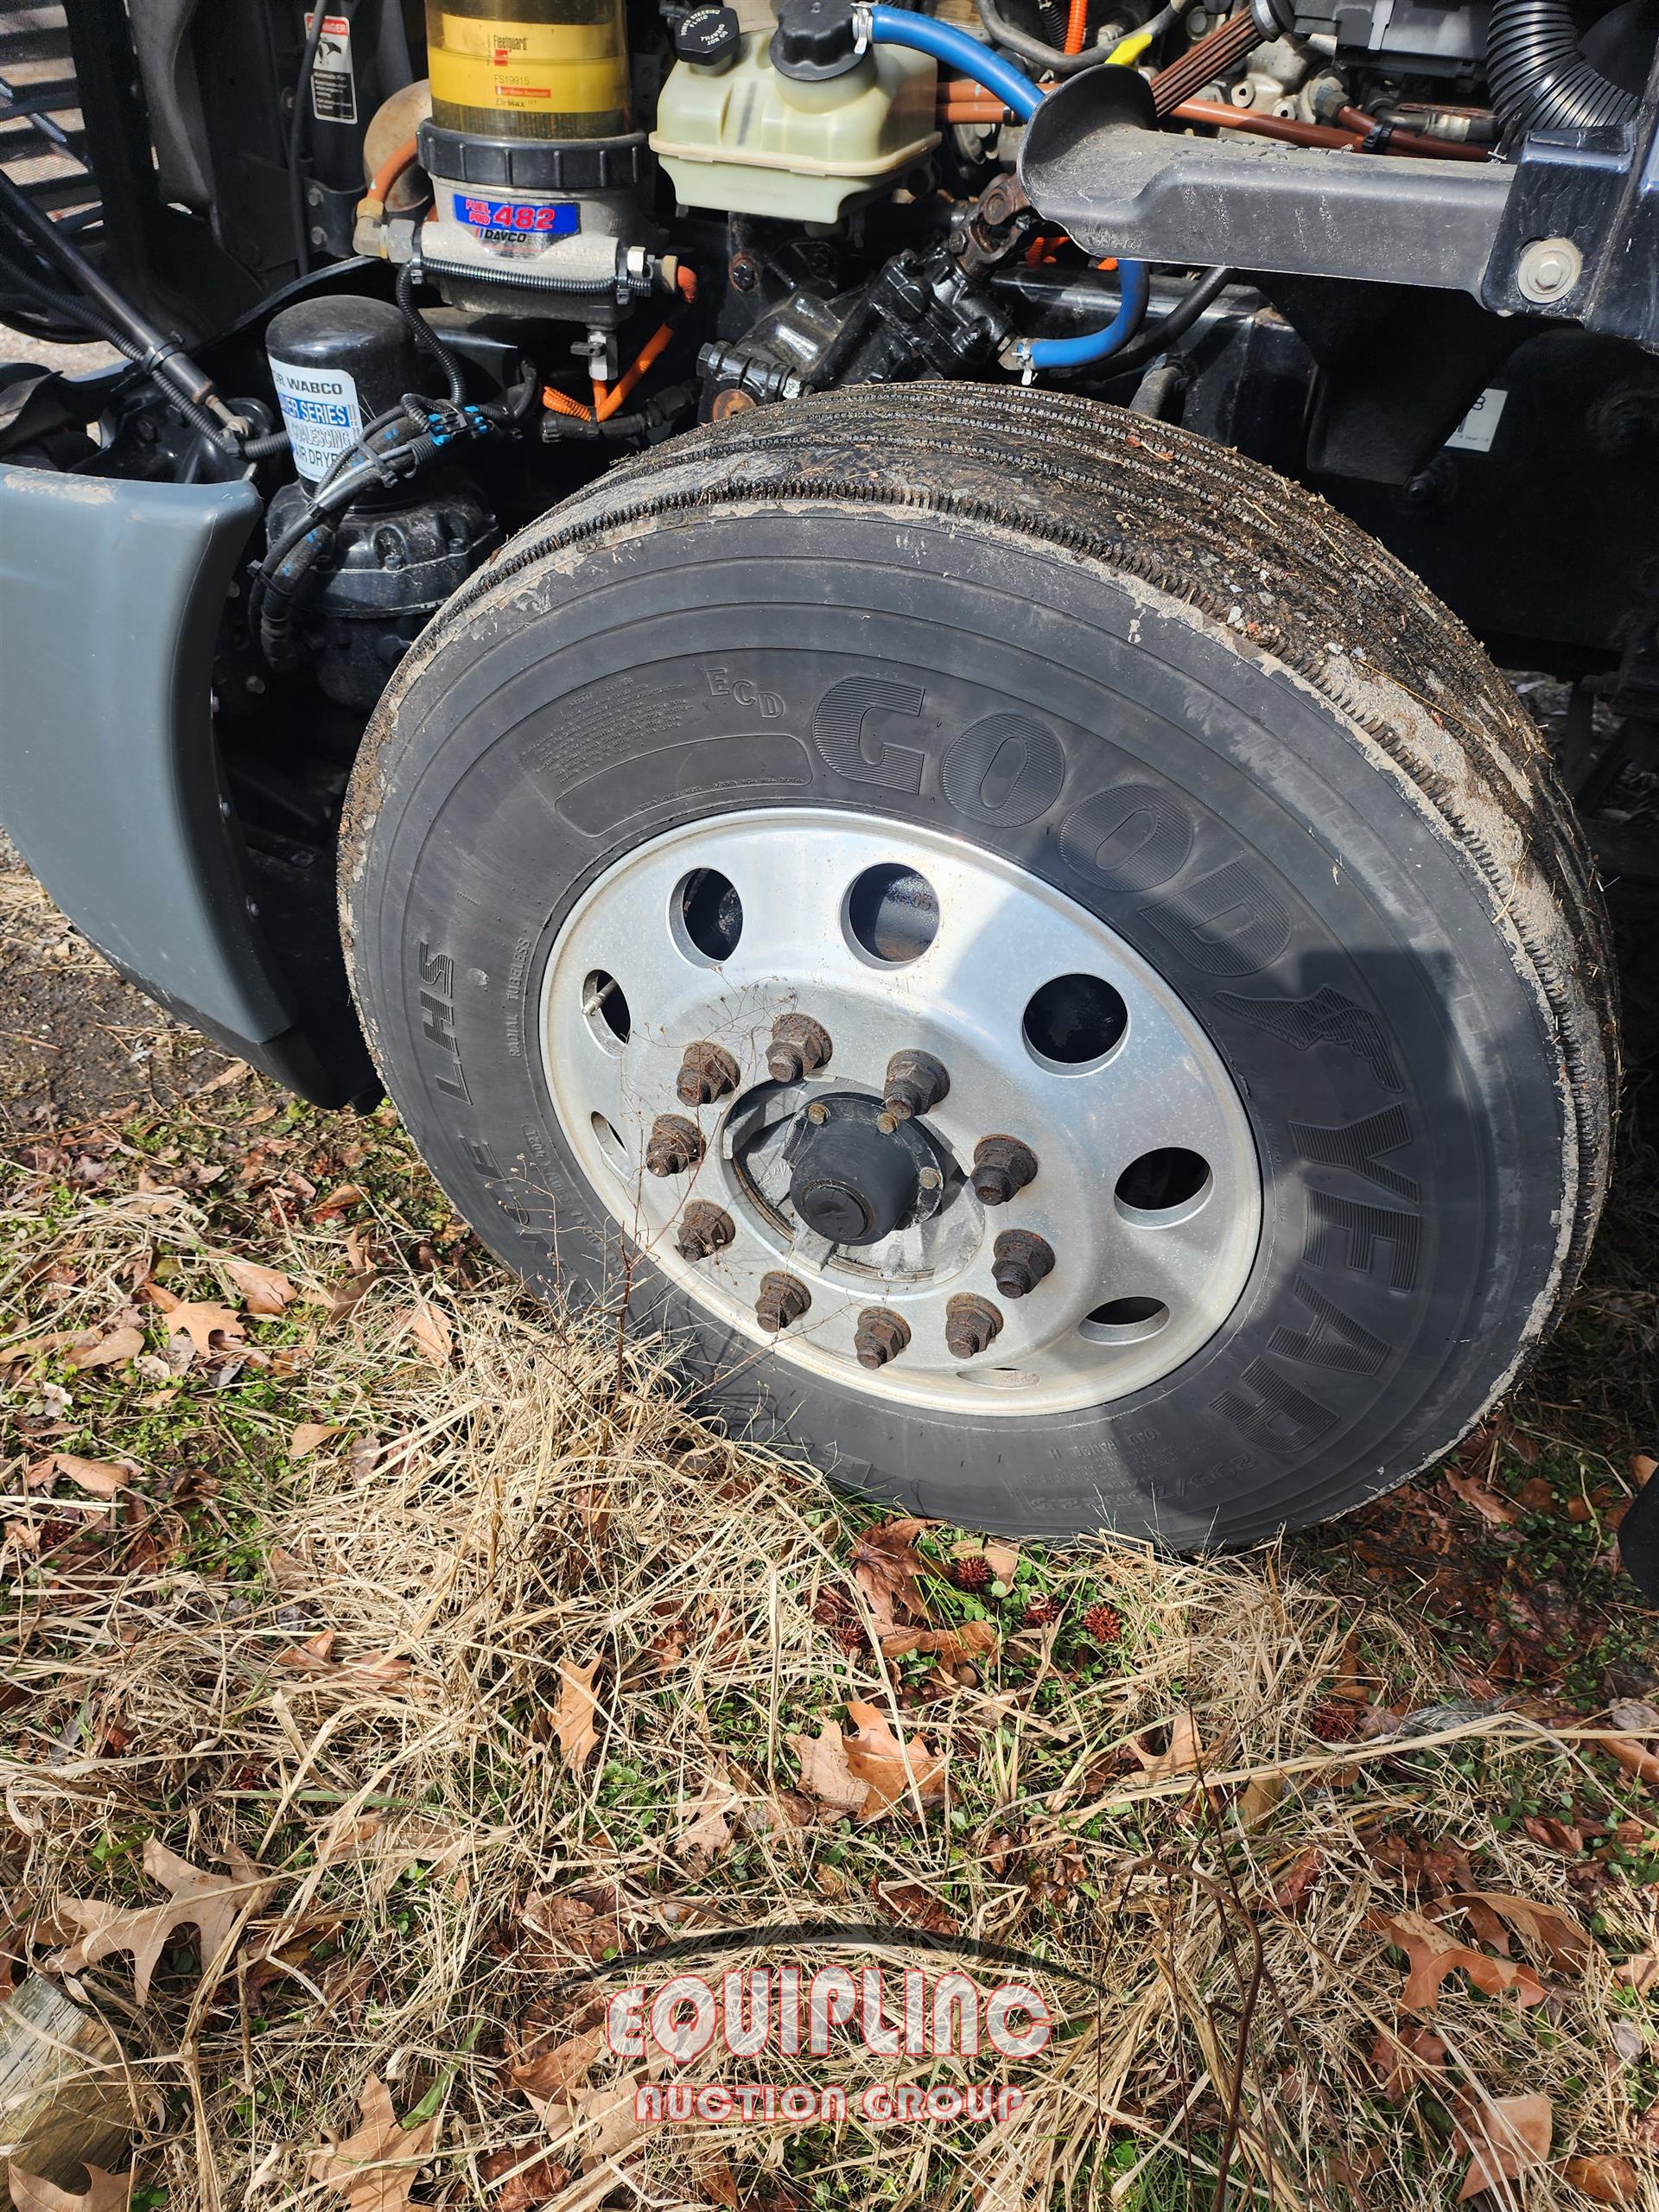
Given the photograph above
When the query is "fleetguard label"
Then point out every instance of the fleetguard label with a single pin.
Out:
(321, 413)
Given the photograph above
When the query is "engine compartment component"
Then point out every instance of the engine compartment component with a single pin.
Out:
(738, 134)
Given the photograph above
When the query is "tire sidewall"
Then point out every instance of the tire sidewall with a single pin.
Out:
(1242, 835)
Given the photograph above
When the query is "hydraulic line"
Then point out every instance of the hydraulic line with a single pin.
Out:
(1170, 329)
(900, 27)
(1094, 345)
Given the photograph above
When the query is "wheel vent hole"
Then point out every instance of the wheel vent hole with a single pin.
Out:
(605, 1006)
(893, 913)
(1124, 1321)
(610, 1144)
(1075, 1020)
(709, 913)
(1161, 1181)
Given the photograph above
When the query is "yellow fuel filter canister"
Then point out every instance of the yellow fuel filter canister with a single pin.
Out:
(528, 70)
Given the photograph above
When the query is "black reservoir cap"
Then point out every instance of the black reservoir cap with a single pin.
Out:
(707, 35)
(815, 39)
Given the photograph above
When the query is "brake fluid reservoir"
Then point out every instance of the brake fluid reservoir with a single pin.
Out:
(739, 136)
(528, 69)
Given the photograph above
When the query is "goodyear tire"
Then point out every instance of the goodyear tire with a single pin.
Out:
(1190, 834)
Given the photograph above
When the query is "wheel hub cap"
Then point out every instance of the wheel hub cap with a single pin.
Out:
(1115, 1261)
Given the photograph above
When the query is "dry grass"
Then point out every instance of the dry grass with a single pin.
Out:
(437, 1869)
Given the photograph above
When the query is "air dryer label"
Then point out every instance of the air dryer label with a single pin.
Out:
(320, 413)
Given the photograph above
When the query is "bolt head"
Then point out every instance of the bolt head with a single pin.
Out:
(881, 1336)
(705, 1229)
(971, 1325)
(887, 1122)
(818, 1113)
(930, 1178)
(1548, 270)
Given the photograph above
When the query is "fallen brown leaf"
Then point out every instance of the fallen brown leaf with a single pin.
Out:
(198, 1320)
(1404, 2058)
(952, 1645)
(1299, 1878)
(1604, 2180)
(710, 1829)
(1506, 2137)
(337, 1201)
(825, 1774)
(97, 1478)
(1644, 1467)
(576, 1717)
(109, 1351)
(894, 1772)
(1183, 1753)
(375, 1670)
(1490, 1507)
(558, 2072)
(1641, 1972)
(1432, 1954)
(308, 1435)
(106, 2193)
(427, 1328)
(888, 1569)
(375, 2168)
(524, 2183)
(263, 1289)
(209, 1902)
(1546, 1925)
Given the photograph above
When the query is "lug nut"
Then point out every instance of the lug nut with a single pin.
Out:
(707, 1073)
(916, 1081)
(972, 1324)
(1020, 1260)
(1002, 1166)
(704, 1230)
(782, 1299)
(674, 1147)
(799, 1047)
(881, 1336)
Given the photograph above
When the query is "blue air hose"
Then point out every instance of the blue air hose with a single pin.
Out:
(1094, 345)
(901, 26)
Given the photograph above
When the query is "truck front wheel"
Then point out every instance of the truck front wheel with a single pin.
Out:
(1039, 954)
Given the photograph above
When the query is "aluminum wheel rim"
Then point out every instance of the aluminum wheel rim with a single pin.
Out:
(1134, 1290)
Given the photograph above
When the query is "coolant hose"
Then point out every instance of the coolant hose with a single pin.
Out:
(1537, 76)
(900, 27)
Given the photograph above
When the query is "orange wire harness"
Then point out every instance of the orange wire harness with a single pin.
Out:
(559, 403)
(1076, 26)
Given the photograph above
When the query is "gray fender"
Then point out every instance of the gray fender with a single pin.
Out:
(110, 594)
